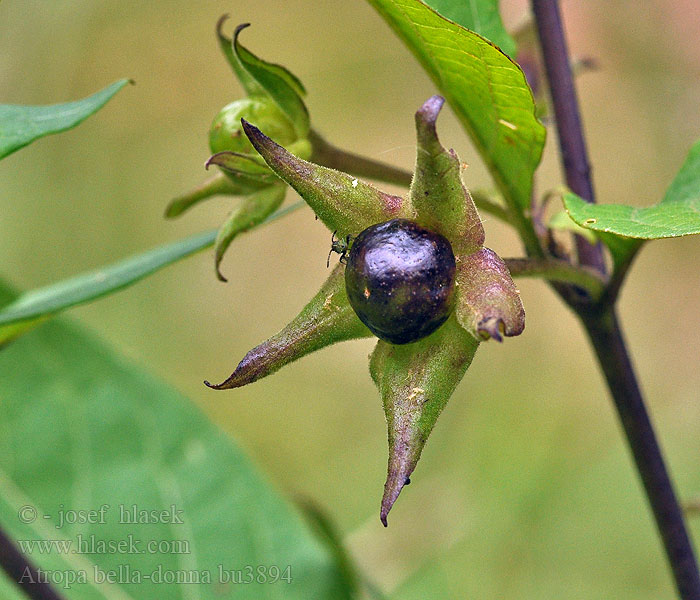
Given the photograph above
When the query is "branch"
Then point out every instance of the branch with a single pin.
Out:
(328, 155)
(609, 345)
(601, 322)
(571, 142)
(23, 573)
(559, 271)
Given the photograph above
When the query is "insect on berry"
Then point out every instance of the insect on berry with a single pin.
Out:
(400, 280)
(340, 246)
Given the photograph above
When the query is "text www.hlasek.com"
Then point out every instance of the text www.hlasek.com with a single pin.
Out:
(90, 544)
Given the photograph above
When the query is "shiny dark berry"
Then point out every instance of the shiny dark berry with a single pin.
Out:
(400, 279)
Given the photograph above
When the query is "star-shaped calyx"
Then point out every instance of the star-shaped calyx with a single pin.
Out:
(415, 379)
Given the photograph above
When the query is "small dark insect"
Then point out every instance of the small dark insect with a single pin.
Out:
(340, 246)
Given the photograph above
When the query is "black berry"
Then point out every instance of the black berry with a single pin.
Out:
(400, 279)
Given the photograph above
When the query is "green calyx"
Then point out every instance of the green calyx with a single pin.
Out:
(274, 102)
(415, 379)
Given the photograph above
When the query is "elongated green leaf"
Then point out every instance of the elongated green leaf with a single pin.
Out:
(676, 215)
(86, 431)
(481, 16)
(21, 125)
(33, 307)
(485, 88)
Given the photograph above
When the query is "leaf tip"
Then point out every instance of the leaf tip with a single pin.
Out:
(228, 384)
(395, 482)
(220, 25)
(171, 211)
(238, 29)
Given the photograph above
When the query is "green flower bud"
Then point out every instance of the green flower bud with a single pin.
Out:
(226, 133)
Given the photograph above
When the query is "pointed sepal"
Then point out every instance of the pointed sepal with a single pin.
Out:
(416, 381)
(244, 171)
(438, 197)
(344, 203)
(277, 83)
(327, 319)
(488, 303)
(252, 87)
(252, 211)
(219, 184)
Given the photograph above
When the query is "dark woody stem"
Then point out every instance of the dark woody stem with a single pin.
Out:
(565, 102)
(22, 572)
(600, 320)
(606, 337)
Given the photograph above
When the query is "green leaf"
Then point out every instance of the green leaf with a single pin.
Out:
(622, 249)
(481, 16)
(21, 125)
(416, 381)
(30, 308)
(279, 84)
(33, 307)
(252, 211)
(343, 203)
(676, 215)
(327, 532)
(326, 320)
(9, 590)
(438, 196)
(561, 221)
(486, 89)
(85, 429)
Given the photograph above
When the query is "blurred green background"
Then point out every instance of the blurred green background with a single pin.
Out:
(526, 489)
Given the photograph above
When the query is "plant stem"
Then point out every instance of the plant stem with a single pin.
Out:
(571, 141)
(600, 321)
(560, 271)
(328, 155)
(23, 573)
(609, 345)
(485, 202)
